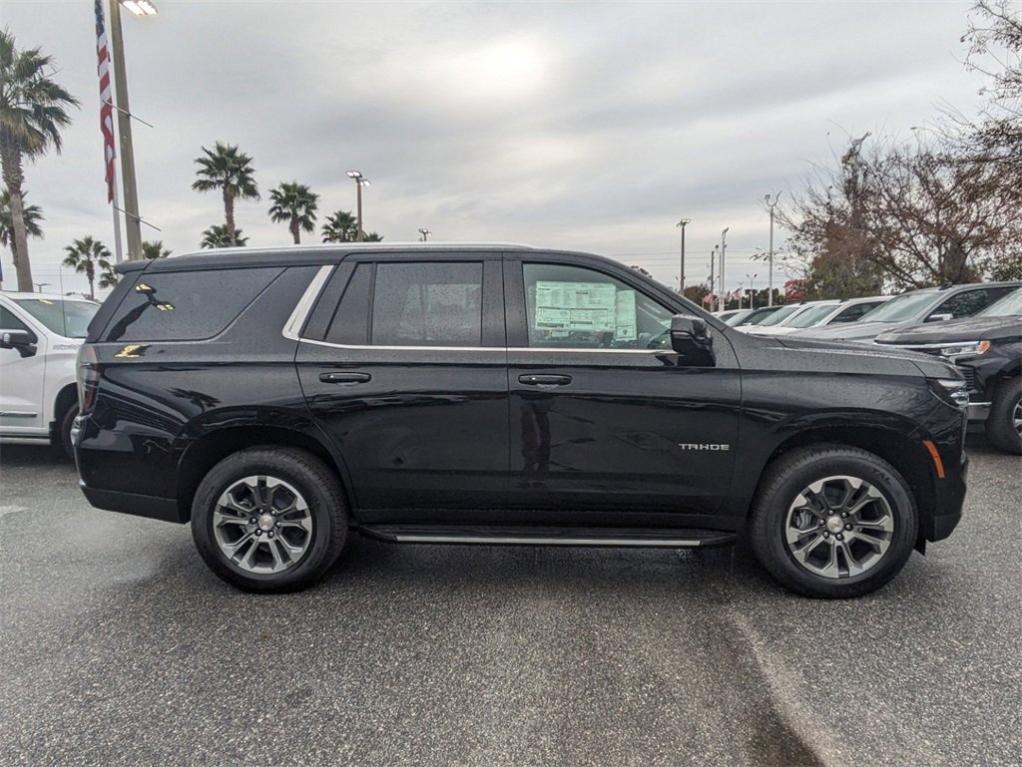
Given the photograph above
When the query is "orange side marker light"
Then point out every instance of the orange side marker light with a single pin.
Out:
(937, 463)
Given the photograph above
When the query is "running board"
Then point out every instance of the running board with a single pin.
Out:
(493, 535)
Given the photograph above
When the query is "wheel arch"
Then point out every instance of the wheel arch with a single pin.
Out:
(213, 446)
(908, 456)
(67, 396)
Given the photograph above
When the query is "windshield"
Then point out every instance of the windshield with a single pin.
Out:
(757, 316)
(780, 314)
(1009, 306)
(903, 307)
(66, 318)
(810, 317)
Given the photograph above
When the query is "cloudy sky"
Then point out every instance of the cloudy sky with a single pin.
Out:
(575, 125)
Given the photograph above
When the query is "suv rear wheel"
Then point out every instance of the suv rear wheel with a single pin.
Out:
(269, 519)
(833, 521)
(1004, 424)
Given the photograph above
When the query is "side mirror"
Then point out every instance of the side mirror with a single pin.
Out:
(940, 317)
(23, 341)
(690, 338)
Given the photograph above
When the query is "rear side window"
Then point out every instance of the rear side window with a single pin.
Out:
(186, 306)
(350, 324)
(428, 304)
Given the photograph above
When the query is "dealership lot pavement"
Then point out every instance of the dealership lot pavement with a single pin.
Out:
(120, 648)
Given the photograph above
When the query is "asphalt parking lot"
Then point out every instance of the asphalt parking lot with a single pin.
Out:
(120, 648)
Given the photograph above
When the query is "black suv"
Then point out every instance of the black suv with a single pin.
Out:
(988, 350)
(278, 399)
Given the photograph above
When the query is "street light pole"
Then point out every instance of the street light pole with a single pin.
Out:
(752, 286)
(713, 272)
(131, 217)
(681, 280)
(723, 251)
(424, 235)
(360, 181)
(770, 279)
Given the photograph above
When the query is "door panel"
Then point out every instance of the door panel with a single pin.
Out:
(421, 427)
(22, 383)
(626, 428)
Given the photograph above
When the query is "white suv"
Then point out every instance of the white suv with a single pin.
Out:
(39, 339)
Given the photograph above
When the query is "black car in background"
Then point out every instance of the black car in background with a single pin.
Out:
(927, 305)
(987, 349)
(276, 399)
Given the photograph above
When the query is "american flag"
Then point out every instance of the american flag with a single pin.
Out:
(106, 110)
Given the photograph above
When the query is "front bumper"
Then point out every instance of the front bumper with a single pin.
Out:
(948, 503)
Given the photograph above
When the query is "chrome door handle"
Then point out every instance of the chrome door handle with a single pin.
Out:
(536, 379)
(344, 377)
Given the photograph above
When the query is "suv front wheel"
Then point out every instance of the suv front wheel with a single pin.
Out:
(833, 521)
(269, 519)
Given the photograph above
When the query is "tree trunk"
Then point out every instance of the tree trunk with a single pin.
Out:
(229, 215)
(90, 272)
(10, 158)
(296, 231)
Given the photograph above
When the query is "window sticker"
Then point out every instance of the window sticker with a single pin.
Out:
(588, 307)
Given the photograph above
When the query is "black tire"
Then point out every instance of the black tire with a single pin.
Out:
(318, 486)
(1000, 424)
(786, 478)
(64, 433)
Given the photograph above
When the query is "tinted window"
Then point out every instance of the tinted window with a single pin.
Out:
(186, 306)
(428, 304)
(350, 324)
(66, 318)
(968, 302)
(574, 307)
(8, 321)
(780, 315)
(854, 312)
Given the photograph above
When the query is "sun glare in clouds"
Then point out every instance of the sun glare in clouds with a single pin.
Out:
(511, 68)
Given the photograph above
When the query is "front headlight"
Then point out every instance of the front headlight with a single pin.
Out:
(967, 348)
(952, 389)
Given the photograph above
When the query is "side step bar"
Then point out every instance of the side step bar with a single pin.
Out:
(496, 535)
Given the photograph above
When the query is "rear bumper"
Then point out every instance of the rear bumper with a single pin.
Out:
(149, 506)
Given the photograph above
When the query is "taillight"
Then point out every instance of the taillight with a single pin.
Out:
(88, 378)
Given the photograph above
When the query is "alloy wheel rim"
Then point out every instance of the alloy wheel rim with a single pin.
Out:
(1016, 417)
(839, 527)
(262, 525)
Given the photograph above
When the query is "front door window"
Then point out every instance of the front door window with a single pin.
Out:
(570, 307)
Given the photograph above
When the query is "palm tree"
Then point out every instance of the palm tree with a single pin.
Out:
(340, 227)
(372, 237)
(32, 112)
(153, 249)
(84, 256)
(33, 214)
(217, 236)
(107, 277)
(229, 170)
(295, 204)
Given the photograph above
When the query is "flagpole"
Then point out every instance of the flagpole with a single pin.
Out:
(118, 256)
